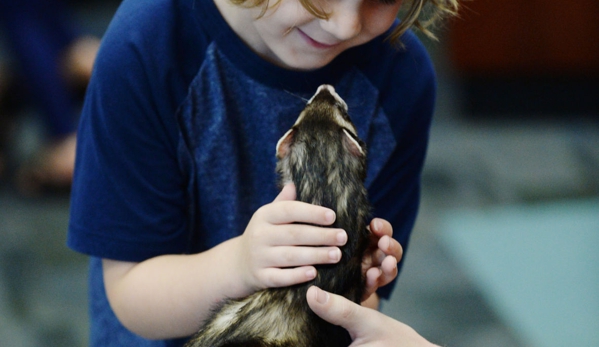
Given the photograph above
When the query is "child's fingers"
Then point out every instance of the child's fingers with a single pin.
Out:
(381, 227)
(275, 277)
(372, 282)
(377, 257)
(287, 193)
(388, 271)
(307, 235)
(377, 277)
(386, 244)
(390, 247)
(285, 257)
(286, 212)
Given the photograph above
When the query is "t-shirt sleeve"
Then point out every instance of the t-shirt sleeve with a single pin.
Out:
(127, 197)
(408, 97)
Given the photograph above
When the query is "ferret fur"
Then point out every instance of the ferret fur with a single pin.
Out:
(323, 156)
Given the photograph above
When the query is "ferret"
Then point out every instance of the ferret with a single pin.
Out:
(323, 156)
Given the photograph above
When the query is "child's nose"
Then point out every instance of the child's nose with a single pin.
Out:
(344, 20)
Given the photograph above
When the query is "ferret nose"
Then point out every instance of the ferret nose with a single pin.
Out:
(328, 89)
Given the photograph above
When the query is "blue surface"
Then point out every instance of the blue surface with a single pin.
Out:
(538, 265)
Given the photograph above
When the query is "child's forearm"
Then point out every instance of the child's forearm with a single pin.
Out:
(170, 296)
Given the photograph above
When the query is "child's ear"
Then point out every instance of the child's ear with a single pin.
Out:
(354, 145)
(284, 144)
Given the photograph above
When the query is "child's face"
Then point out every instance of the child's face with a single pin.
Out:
(292, 37)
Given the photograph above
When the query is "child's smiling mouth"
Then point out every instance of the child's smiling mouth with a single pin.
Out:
(315, 43)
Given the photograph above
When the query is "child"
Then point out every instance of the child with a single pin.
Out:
(175, 194)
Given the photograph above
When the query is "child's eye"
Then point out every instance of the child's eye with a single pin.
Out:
(387, 2)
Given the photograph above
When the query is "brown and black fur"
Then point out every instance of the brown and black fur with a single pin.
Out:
(326, 161)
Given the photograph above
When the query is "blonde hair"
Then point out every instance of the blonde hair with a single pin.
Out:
(421, 14)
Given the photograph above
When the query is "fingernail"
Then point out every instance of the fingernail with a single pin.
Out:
(311, 273)
(329, 216)
(335, 254)
(386, 242)
(378, 225)
(342, 237)
(321, 296)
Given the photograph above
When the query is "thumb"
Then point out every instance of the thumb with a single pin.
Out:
(287, 193)
(337, 310)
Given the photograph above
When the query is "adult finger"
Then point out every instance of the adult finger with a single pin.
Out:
(366, 327)
(338, 310)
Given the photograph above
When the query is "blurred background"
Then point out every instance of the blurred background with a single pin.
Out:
(504, 249)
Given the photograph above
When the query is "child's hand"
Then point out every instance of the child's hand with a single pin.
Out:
(381, 258)
(275, 252)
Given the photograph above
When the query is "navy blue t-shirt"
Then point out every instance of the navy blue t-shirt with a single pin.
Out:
(176, 146)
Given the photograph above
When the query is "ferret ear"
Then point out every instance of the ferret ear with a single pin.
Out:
(354, 146)
(284, 144)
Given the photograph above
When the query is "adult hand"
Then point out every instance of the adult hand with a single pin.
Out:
(367, 327)
(380, 261)
(276, 250)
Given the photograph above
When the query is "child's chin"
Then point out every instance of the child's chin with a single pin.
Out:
(306, 64)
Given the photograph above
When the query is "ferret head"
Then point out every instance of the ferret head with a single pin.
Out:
(325, 109)
(326, 161)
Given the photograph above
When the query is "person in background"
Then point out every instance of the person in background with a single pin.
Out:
(53, 60)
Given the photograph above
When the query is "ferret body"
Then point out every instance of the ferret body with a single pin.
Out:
(322, 155)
